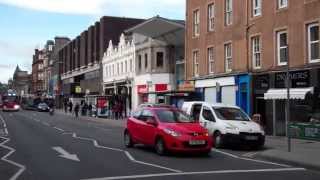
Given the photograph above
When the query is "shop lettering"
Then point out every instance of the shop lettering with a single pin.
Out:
(292, 76)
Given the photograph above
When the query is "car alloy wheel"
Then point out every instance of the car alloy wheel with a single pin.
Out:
(160, 147)
(127, 140)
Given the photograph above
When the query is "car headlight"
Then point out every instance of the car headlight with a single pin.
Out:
(171, 132)
(16, 106)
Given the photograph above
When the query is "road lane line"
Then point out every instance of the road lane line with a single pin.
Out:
(130, 157)
(45, 123)
(250, 154)
(250, 159)
(199, 173)
(4, 158)
(59, 129)
(4, 125)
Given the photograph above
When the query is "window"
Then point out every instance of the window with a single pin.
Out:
(145, 115)
(211, 17)
(145, 61)
(228, 12)
(131, 65)
(126, 66)
(113, 70)
(231, 114)
(196, 63)
(159, 59)
(121, 72)
(256, 10)
(256, 52)
(173, 116)
(139, 61)
(313, 43)
(228, 56)
(282, 47)
(282, 4)
(106, 73)
(207, 114)
(211, 60)
(118, 69)
(196, 23)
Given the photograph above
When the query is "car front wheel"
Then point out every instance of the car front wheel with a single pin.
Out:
(217, 137)
(160, 147)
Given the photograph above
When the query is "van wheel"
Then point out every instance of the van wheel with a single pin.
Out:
(128, 140)
(160, 147)
(217, 137)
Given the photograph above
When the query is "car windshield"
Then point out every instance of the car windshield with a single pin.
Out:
(233, 114)
(173, 116)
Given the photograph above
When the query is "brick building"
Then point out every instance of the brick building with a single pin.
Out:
(38, 73)
(237, 53)
(82, 57)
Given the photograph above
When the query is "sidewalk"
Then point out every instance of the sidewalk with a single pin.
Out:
(120, 123)
(303, 153)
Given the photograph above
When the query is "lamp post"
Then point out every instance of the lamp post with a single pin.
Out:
(288, 99)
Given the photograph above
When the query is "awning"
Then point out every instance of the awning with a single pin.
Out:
(295, 93)
(167, 30)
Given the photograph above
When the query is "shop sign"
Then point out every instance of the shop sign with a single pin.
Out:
(161, 87)
(78, 89)
(298, 79)
(142, 89)
(186, 86)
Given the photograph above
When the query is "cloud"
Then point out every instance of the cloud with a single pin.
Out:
(132, 8)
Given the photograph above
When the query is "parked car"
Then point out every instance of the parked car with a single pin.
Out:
(43, 107)
(226, 124)
(10, 106)
(167, 129)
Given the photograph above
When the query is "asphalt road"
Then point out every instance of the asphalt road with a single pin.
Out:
(38, 146)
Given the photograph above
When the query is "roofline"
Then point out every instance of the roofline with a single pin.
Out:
(151, 19)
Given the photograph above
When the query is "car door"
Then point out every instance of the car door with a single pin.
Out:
(148, 131)
(134, 125)
(207, 119)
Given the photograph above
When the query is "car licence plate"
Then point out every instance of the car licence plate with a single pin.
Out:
(251, 137)
(197, 142)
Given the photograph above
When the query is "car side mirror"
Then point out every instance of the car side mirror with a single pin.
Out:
(151, 121)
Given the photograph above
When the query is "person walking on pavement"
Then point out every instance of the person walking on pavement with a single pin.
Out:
(65, 105)
(76, 110)
(70, 107)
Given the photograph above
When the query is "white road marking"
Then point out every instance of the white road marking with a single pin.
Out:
(4, 125)
(249, 159)
(45, 123)
(199, 173)
(130, 157)
(250, 154)
(64, 154)
(59, 129)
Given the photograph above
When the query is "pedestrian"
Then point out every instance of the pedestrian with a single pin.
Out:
(120, 107)
(70, 107)
(65, 105)
(76, 110)
(90, 109)
(115, 110)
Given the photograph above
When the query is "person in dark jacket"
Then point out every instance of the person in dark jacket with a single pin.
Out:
(76, 109)
(65, 106)
(70, 106)
(90, 109)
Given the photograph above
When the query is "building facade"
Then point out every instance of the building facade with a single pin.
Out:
(38, 86)
(82, 74)
(237, 53)
(21, 82)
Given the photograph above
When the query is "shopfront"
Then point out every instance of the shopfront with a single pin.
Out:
(218, 90)
(243, 93)
(304, 98)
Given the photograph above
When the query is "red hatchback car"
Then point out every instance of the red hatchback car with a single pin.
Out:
(166, 129)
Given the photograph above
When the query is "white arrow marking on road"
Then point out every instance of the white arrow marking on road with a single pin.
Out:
(65, 154)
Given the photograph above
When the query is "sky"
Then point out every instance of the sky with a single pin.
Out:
(28, 24)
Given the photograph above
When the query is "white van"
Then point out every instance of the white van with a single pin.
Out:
(227, 124)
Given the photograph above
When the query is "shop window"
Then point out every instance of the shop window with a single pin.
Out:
(159, 59)
(139, 62)
(313, 43)
(146, 61)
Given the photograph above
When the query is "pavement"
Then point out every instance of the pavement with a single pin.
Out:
(39, 146)
(303, 153)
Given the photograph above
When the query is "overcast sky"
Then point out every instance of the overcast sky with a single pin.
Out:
(28, 24)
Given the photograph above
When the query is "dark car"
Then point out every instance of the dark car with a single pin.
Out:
(43, 107)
